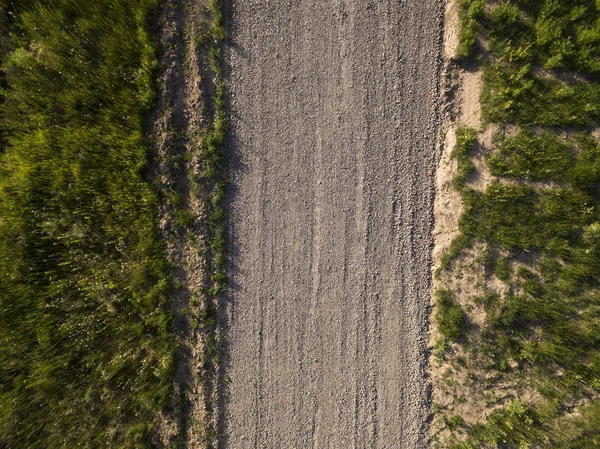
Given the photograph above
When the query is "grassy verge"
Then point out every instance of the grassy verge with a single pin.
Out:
(86, 350)
(215, 161)
(530, 353)
(214, 178)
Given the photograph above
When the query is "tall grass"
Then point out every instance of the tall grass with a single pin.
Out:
(86, 351)
(540, 223)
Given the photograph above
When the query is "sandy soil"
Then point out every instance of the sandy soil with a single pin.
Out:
(462, 107)
(334, 126)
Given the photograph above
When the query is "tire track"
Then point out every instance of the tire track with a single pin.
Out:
(334, 109)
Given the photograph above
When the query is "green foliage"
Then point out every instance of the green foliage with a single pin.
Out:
(583, 431)
(86, 350)
(465, 138)
(544, 156)
(439, 349)
(502, 270)
(534, 157)
(556, 35)
(514, 426)
(449, 315)
(514, 93)
(526, 36)
(540, 74)
(515, 216)
(461, 242)
(470, 14)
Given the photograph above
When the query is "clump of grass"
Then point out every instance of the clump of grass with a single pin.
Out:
(465, 139)
(470, 14)
(502, 270)
(454, 422)
(440, 348)
(516, 93)
(449, 315)
(531, 156)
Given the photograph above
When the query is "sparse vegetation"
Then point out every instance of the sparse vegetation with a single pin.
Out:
(465, 138)
(215, 161)
(540, 224)
(215, 179)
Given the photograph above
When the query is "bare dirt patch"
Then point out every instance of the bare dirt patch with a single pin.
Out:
(334, 127)
(451, 28)
(448, 207)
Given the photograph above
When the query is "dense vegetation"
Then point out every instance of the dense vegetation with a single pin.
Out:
(86, 353)
(539, 223)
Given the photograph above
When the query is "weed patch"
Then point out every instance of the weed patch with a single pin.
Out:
(539, 223)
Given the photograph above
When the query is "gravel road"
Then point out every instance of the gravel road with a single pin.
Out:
(333, 146)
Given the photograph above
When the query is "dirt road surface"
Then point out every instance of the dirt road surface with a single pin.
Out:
(334, 124)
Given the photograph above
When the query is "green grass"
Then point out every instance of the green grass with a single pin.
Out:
(470, 14)
(86, 350)
(449, 315)
(215, 172)
(539, 223)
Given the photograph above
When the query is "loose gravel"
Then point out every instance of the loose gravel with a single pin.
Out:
(334, 114)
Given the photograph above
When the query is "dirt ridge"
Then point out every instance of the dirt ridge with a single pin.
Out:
(177, 127)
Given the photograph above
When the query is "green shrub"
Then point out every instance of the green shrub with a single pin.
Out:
(470, 14)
